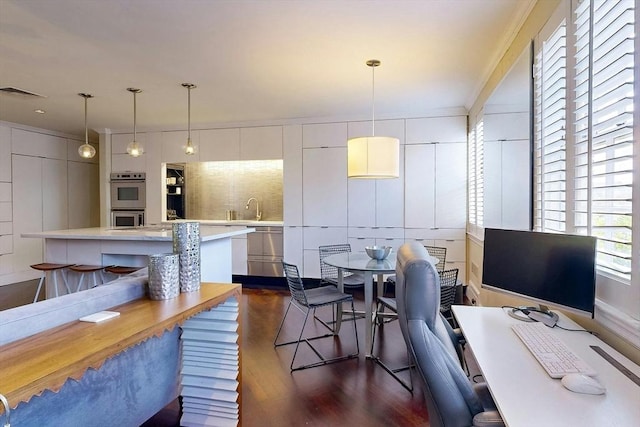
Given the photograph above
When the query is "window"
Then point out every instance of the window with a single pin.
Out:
(476, 177)
(604, 140)
(550, 162)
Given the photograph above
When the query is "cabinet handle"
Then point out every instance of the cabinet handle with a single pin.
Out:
(450, 240)
(359, 238)
(324, 226)
(388, 238)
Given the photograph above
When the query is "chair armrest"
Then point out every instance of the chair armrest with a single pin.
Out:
(488, 419)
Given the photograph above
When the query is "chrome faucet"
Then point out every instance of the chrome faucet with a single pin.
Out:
(258, 213)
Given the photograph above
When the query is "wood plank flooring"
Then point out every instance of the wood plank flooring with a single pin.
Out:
(355, 392)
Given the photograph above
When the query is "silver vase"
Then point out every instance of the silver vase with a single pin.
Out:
(163, 276)
(186, 243)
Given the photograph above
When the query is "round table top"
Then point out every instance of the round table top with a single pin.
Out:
(360, 261)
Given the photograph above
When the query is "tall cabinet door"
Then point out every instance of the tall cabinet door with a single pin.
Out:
(54, 194)
(419, 186)
(27, 210)
(451, 185)
(324, 181)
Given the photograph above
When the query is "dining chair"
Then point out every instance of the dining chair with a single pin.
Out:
(329, 273)
(451, 399)
(307, 301)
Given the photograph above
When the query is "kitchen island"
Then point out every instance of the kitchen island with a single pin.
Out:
(131, 247)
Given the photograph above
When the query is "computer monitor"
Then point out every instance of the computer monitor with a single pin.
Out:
(551, 268)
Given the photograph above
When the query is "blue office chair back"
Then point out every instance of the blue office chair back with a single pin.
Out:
(451, 401)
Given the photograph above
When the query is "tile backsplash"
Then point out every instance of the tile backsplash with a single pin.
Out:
(212, 188)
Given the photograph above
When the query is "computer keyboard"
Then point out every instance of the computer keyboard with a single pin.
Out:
(554, 356)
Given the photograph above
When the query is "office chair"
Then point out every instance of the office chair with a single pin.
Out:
(308, 301)
(450, 398)
(435, 251)
(447, 280)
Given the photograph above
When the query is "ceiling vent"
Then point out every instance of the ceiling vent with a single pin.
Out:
(17, 91)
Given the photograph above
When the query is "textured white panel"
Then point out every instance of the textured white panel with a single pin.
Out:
(210, 367)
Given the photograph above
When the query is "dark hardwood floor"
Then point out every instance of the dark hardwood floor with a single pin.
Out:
(355, 392)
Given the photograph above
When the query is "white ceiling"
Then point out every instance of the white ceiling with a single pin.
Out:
(253, 61)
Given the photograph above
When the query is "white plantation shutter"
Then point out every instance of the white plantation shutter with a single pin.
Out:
(550, 163)
(604, 31)
(476, 177)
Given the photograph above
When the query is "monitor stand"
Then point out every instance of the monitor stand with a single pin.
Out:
(534, 314)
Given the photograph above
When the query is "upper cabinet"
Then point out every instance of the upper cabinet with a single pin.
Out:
(5, 154)
(437, 129)
(219, 144)
(377, 202)
(174, 145)
(325, 186)
(324, 135)
(292, 175)
(123, 162)
(38, 144)
(261, 143)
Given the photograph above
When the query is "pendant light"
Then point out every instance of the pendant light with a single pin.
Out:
(86, 150)
(134, 148)
(374, 157)
(189, 149)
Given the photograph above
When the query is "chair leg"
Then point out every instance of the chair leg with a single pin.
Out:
(281, 324)
(80, 282)
(35, 299)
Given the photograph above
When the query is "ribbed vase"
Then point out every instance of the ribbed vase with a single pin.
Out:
(163, 276)
(186, 243)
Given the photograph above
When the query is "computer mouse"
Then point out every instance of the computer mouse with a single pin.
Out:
(580, 383)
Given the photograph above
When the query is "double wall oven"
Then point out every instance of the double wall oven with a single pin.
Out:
(128, 199)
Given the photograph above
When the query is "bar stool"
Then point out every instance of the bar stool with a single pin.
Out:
(53, 269)
(83, 269)
(121, 270)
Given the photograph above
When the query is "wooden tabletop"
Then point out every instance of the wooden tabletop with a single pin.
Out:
(46, 360)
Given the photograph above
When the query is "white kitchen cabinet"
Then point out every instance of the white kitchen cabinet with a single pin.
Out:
(261, 143)
(453, 239)
(27, 210)
(123, 162)
(292, 176)
(325, 186)
(219, 144)
(435, 185)
(324, 135)
(38, 144)
(174, 144)
(293, 246)
(377, 202)
(451, 185)
(239, 255)
(84, 201)
(5, 153)
(436, 129)
(54, 194)
(314, 237)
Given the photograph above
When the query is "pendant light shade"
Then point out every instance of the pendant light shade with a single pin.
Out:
(373, 157)
(189, 148)
(86, 150)
(134, 148)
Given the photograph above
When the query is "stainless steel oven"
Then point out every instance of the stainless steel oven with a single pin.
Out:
(128, 190)
(127, 218)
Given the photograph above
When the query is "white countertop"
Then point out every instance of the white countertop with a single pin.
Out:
(149, 233)
(222, 222)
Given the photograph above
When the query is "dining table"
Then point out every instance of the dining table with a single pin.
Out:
(361, 262)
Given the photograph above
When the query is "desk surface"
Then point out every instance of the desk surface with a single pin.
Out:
(526, 395)
(46, 360)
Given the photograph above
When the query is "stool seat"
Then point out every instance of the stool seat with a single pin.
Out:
(121, 270)
(53, 268)
(47, 266)
(85, 268)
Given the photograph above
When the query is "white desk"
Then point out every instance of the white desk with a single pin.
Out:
(526, 395)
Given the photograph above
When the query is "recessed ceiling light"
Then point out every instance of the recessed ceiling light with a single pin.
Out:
(39, 111)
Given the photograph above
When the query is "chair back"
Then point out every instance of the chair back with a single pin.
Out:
(294, 281)
(440, 253)
(450, 398)
(329, 273)
(448, 288)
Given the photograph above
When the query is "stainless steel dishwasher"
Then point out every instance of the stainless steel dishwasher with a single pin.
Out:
(264, 252)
